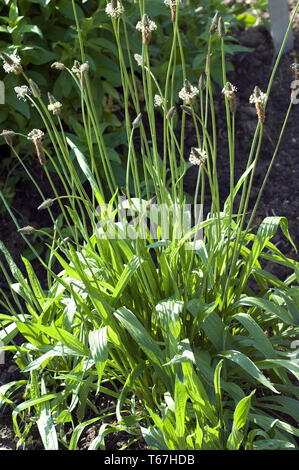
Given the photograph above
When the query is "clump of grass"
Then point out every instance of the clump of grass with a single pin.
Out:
(164, 321)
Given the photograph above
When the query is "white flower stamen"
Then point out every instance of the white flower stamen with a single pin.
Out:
(158, 101)
(55, 108)
(146, 26)
(229, 90)
(172, 4)
(138, 59)
(197, 156)
(258, 97)
(35, 134)
(12, 63)
(22, 91)
(114, 9)
(57, 66)
(188, 92)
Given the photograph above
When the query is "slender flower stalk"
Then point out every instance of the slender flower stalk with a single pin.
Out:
(118, 285)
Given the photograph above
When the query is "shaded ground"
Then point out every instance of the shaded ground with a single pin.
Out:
(281, 196)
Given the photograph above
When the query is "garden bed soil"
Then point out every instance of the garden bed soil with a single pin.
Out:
(281, 196)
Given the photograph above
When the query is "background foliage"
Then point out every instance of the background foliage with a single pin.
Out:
(42, 32)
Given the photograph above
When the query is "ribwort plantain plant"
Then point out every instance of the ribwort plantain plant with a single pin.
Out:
(168, 324)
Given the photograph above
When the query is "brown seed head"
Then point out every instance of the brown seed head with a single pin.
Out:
(214, 24)
(230, 92)
(7, 135)
(146, 26)
(34, 88)
(258, 98)
(170, 113)
(221, 27)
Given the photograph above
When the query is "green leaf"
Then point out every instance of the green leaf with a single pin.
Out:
(65, 337)
(248, 366)
(138, 369)
(269, 227)
(15, 271)
(27, 404)
(240, 417)
(99, 349)
(29, 28)
(273, 444)
(291, 365)
(99, 441)
(266, 231)
(65, 9)
(169, 316)
(261, 341)
(35, 284)
(154, 438)
(85, 168)
(268, 423)
(268, 307)
(32, 333)
(102, 43)
(180, 400)
(38, 55)
(241, 411)
(214, 328)
(126, 275)
(198, 394)
(56, 351)
(6, 387)
(284, 404)
(247, 19)
(45, 423)
(78, 431)
(140, 335)
(217, 386)
(8, 333)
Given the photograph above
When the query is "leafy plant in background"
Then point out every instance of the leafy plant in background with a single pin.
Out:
(175, 336)
(43, 31)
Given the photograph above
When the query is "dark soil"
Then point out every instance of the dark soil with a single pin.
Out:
(281, 196)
